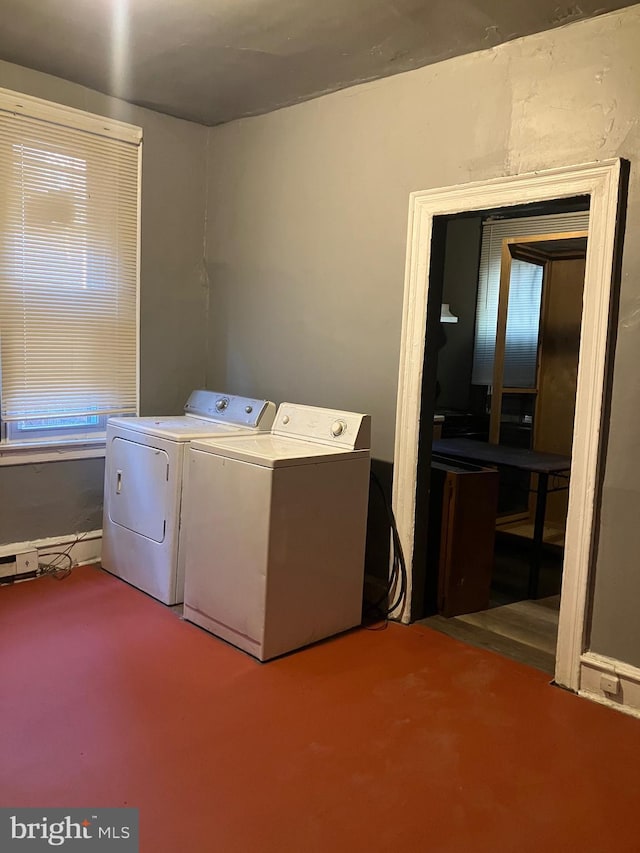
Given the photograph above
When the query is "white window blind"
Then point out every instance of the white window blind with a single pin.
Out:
(69, 214)
(523, 323)
(493, 233)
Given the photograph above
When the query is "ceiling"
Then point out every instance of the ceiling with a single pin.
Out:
(216, 60)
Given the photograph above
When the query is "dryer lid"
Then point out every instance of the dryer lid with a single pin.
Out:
(206, 413)
(179, 428)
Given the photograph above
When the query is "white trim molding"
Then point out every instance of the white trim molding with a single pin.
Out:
(28, 454)
(38, 108)
(610, 682)
(601, 182)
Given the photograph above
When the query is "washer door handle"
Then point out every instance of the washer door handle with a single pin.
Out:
(118, 482)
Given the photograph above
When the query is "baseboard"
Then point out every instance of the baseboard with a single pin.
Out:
(610, 682)
(83, 548)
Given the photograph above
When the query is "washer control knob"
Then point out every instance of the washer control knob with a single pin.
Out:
(222, 404)
(286, 419)
(248, 409)
(337, 428)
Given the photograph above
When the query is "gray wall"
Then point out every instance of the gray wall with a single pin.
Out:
(306, 237)
(57, 498)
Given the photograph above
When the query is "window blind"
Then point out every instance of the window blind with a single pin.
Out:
(69, 213)
(523, 323)
(493, 234)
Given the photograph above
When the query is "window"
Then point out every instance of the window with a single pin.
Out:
(524, 293)
(69, 251)
(523, 323)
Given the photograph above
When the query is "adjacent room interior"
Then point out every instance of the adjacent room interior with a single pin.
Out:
(507, 363)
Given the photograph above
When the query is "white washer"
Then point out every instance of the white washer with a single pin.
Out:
(144, 483)
(275, 531)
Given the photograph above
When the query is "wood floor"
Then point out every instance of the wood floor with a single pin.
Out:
(520, 629)
(525, 631)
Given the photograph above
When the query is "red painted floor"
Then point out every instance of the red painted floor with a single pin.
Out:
(396, 739)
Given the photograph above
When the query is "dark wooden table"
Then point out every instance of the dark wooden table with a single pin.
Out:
(499, 455)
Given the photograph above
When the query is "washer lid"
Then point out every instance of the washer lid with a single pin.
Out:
(178, 428)
(274, 451)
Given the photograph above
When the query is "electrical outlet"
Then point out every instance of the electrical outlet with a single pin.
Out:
(609, 684)
(26, 562)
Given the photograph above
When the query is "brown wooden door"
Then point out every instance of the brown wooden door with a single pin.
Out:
(558, 369)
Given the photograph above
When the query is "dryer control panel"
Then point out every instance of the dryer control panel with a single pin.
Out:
(325, 426)
(229, 408)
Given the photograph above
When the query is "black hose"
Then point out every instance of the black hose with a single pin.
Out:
(398, 572)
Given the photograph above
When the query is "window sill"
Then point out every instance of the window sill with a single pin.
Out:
(28, 453)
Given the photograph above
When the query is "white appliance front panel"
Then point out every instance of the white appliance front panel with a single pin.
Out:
(274, 557)
(138, 486)
(140, 560)
(316, 552)
(225, 533)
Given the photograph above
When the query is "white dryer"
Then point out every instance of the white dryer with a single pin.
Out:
(275, 530)
(144, 482)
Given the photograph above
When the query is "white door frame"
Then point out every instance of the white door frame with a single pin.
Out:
(600, 181)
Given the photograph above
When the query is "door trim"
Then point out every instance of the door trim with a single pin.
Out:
(601, 182)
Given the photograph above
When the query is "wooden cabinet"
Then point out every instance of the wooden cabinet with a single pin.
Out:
(462, 516)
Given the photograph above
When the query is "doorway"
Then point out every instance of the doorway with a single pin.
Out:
(600, 183)
(505, 395)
